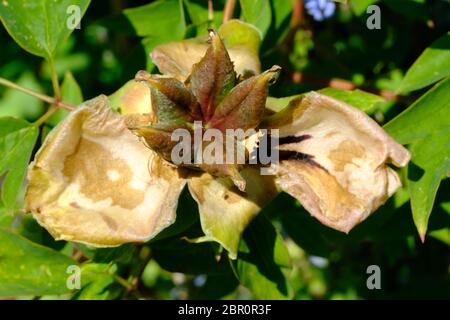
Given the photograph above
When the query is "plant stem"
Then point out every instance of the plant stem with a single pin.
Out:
(56, 91)
(123, 282)
(144, 258)
(210, 11)
(300, 77)
(297, 14)
(50, 111)
(43, 97)
(55, 81)
(228, 10)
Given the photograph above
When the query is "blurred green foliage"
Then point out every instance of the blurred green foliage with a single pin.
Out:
(285, 253)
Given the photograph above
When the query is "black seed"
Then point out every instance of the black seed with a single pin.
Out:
(294, 155)
(293, 139)
(299, 156)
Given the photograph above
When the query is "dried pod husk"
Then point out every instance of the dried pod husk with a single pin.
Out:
(225, 211)
(91, 181)
(132, 98)
(335, 160)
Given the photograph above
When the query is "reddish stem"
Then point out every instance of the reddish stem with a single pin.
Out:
(228, 10)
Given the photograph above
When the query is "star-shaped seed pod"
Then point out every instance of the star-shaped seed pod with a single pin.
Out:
(106, 175)
(213, 96)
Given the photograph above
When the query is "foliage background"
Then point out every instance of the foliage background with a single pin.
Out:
(285, 252)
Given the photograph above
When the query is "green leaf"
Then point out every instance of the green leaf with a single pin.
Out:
(364, 101)
(75, 62)
(360, 6)
(161, 19)
(14, 103)
(278, 104)
(191, 258)
(301, 226)
(187, 216)
(122, 254)
(151, 274)
(263, 261)
(446, 207)
(70, 93)
(30, 269)
(168, 24)
(238, 34)
(5, 219)
(96, 279)
(217, 287)
(40, 26)
(442, 235)
(70, 90)
(17, 139)
(425, 127)
(281, 11)
(279, 28)
(198, 13)
(258, 13)
(432, 65)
